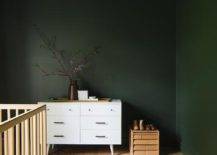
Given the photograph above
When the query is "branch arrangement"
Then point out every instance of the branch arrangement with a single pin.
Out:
(68, 65)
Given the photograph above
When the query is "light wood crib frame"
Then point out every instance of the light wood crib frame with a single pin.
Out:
(23, 129)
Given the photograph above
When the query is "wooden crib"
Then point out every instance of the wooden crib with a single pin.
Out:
(23, 129)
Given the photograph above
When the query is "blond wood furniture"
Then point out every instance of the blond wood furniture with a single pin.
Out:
(23, 132)
(84, 123)
(144, 142)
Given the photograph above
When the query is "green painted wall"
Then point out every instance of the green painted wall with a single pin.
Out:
(196, 76)
(2, 41)
(136, 64)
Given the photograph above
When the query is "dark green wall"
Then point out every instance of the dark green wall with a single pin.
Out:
(2, 41)
(196, 76)
(136, 64)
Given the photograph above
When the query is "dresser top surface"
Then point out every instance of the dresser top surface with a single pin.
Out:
(113, 101)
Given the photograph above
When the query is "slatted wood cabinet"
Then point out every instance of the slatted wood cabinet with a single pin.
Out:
(144, 142)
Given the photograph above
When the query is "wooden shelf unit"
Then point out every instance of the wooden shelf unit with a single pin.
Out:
(144, 142)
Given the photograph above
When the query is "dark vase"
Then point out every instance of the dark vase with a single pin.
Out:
(73, 90)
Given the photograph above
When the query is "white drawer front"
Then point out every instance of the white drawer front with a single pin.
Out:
(100, 137)
(54, 121)
(104, 123)
(63, 130)
(62, 138)
(100, 109)
(63, 109)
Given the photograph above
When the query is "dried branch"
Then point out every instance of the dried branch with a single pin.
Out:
(50, 44)
(53, 73)
(68, 66)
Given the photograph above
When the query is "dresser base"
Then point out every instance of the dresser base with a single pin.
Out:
(52, 147)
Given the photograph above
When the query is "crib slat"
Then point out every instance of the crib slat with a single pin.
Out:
(17, 136)
(38, 134)
(34, 136)
(6, 143)
(23, 138)
(44, 129)
(41, 134)
(10, 137)
(27, 136)
(1, 134)
(30, 133)
(11, 141)
(6, 136)
(45, 124)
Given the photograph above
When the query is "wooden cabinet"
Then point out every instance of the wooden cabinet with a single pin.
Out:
(144, 142)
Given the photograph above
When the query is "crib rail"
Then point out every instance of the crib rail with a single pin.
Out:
(23, 129)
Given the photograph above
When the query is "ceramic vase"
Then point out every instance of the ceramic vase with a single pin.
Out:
(73, 90)
(141, 126)
(135, 125)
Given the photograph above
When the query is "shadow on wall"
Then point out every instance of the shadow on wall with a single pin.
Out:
(168, 137)
(131, 113)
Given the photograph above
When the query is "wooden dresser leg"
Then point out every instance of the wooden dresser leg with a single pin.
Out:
(48, 147)
(52, 146)
(112, 149)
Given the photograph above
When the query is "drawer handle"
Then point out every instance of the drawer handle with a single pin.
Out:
(70, 109)
(58, 122)
(59, 136)
(103, 123)
(89, 110)
(48, 109)
(100, 136)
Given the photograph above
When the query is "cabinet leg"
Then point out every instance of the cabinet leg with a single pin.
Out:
(48, 147)
(52, 146)
(112, 149)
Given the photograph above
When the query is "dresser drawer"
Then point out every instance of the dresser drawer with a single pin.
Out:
(146, 136)
(103, 123)
(64, 137)
(146, 142)
(63, 109)
(100, 109)
(146, 153)
(146, 147)
(100, 137)
(61, 122)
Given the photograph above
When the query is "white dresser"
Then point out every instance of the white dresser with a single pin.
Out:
(84, 123)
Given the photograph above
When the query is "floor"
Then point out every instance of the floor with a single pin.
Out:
(103, 150)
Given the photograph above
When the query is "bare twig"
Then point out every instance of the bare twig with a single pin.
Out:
(68, 68)
(46, 73)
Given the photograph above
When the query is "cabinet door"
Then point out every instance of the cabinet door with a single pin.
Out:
(63, 130)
